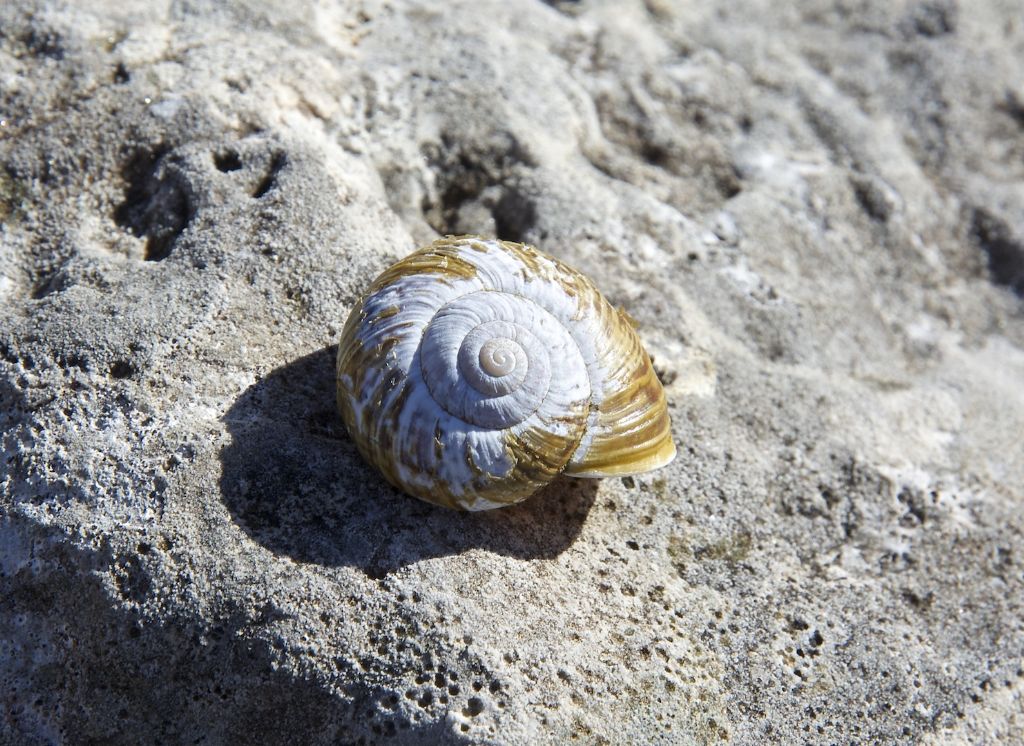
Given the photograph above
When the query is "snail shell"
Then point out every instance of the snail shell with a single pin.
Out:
(475, 371)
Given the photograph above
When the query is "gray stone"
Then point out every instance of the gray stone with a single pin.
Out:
(815, 210)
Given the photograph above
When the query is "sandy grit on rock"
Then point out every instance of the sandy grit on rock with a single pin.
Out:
(815, 213)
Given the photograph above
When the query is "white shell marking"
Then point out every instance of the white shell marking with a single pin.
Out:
(475, 371)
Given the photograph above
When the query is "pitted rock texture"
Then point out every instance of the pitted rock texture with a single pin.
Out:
(814, 210)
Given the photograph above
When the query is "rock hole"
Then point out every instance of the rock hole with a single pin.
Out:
(269, 180)
(48, 285)
(473, 707)
(227, 161)
(43, 43)
(74, 360)
(1003, 250)
(1013, 106)
(568, 7)
(728, 181)
(871, 198)
(157, 204)
(122, 369)
(656, 154)
(476, 175)
(514, 216)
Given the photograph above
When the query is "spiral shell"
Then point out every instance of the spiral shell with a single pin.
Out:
(474, 371)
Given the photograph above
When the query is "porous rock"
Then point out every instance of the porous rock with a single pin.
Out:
(815, 211)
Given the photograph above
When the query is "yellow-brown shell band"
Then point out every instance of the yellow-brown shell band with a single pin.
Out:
(475, 371)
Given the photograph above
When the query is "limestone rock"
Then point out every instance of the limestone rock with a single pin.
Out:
(815, 211)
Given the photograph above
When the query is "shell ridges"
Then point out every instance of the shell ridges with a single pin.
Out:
(474, 371)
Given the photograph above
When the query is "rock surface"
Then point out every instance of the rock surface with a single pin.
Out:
(815, 210)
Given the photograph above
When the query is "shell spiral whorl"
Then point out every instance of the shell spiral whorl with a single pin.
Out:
(474, 371)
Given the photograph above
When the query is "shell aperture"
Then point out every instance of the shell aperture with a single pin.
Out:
(474, 371)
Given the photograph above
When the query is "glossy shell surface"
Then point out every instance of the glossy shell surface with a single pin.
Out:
(474, 371)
